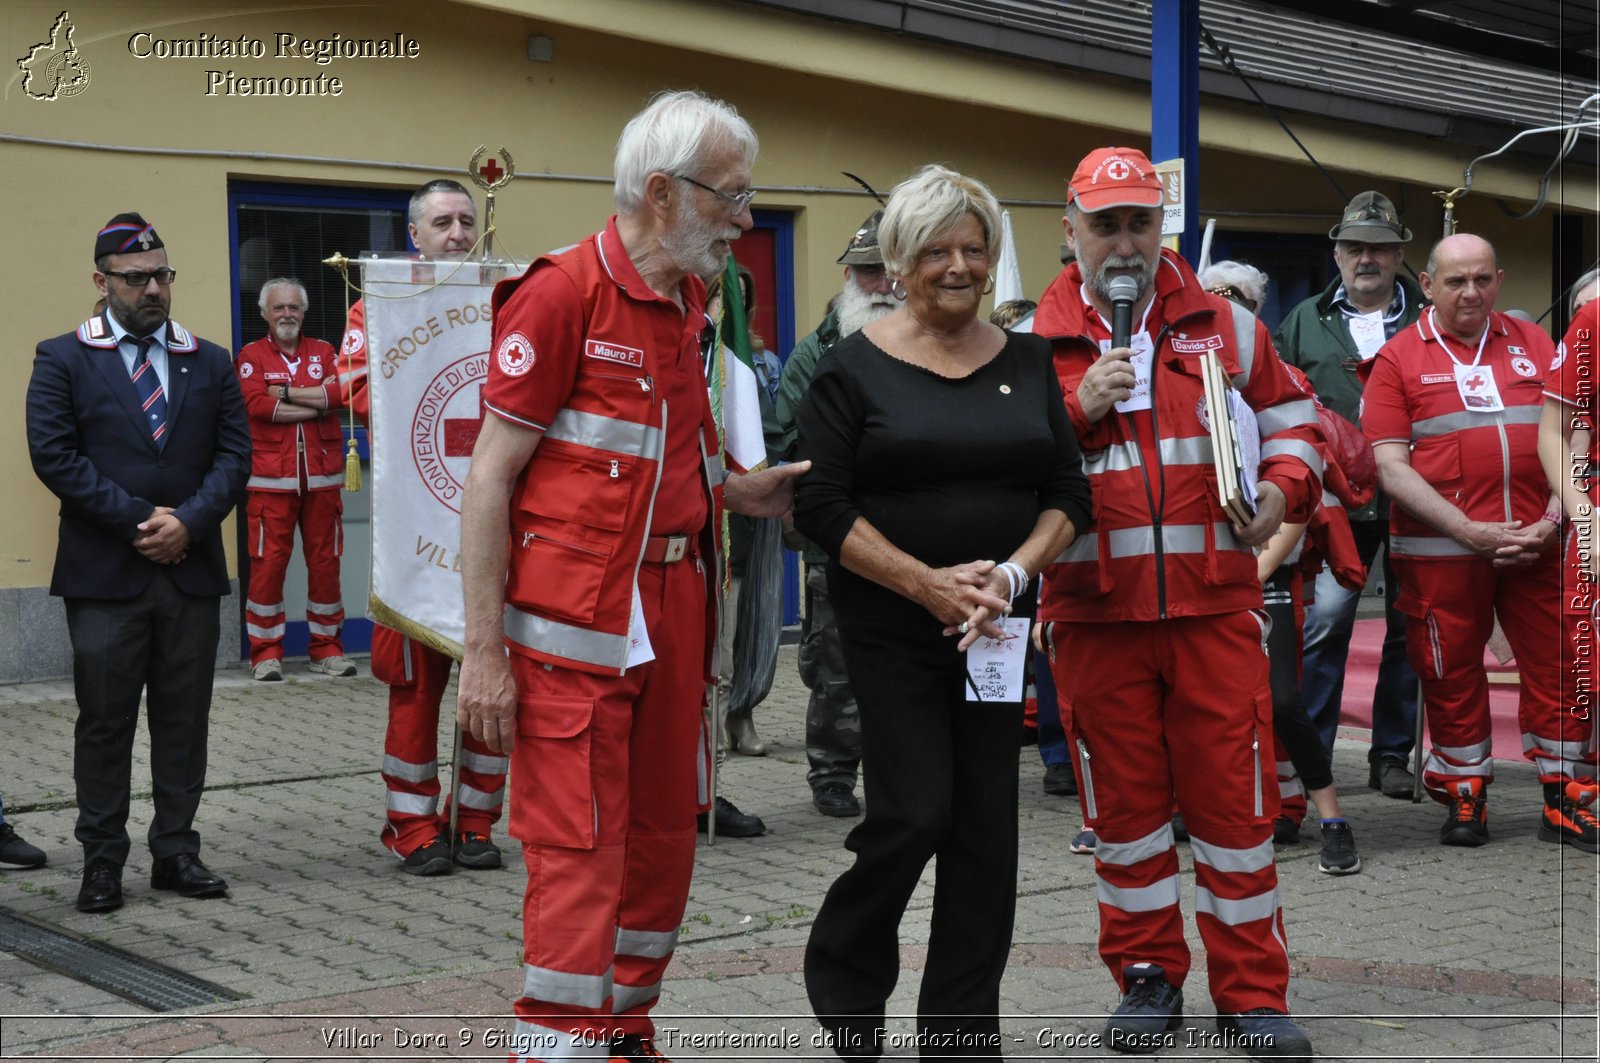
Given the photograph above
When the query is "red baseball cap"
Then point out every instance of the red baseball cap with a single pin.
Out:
(1114, 177)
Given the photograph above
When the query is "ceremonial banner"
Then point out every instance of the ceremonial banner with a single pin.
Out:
(735, 398)
(428, 333)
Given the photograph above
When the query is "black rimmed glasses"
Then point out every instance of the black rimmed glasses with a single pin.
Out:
(738, 201)
(140, 278)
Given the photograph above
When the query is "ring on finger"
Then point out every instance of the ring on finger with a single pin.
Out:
(963, 627)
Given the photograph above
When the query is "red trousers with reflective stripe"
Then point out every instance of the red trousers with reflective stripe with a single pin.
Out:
(1450, 607)
(272, 518)
(1180, 708)
(604, 793)
(417, 675)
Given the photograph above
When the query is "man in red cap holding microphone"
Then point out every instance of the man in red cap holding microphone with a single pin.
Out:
(1154, 622)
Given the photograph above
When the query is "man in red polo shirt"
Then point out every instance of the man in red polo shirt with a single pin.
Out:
(1452, 406)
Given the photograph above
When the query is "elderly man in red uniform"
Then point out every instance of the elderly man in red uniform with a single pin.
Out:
(292, 396)
(443, 225)
(587, 549)
(1154, 619)
(1452, 408)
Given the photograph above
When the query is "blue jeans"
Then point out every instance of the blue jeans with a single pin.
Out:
(1330, 621)
(1052, 737)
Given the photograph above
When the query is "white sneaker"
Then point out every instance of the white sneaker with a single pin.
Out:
(268, 671)
(340, 666)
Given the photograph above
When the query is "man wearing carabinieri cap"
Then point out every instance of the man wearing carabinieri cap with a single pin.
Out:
(1329, 337)
(137, 425)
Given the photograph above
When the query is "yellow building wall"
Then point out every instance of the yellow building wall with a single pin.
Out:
(824, 97)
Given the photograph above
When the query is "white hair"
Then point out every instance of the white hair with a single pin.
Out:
(926, 206)
(284, 282)
(1241, 275)
(673, 135)
(1578, 288)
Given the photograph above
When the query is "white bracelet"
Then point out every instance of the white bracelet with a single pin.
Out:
(1016, 578)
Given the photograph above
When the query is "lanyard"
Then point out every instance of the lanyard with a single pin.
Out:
(1433, 324)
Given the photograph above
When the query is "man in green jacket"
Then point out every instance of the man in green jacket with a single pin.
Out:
(1329, 336)
(833, 729)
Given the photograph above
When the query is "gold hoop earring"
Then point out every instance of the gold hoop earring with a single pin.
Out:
(989, 287)
(898, 290)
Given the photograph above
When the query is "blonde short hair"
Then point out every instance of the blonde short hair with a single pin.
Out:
(926, 206)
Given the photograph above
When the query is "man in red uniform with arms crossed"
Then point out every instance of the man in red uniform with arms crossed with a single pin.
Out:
(1452, 408)
(1156, 639)
(588, 549)
(443, 226)
(292, 396)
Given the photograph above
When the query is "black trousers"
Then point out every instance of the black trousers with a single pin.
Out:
(940, 779)
(163, 644)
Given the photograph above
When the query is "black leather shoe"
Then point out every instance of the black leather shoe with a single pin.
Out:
(188, 876)
(102, 887)
(836, 799)
(731, 823)
(1391, 778)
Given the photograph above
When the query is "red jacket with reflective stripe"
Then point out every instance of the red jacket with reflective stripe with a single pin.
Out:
(1161, 545)
(581, 511)
(274, 464)
(1484, 464)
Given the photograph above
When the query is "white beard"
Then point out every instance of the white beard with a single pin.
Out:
(857, 309)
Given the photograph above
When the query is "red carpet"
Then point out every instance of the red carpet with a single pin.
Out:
(1361, 675)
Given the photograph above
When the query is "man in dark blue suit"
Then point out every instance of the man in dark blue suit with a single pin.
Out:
(138, 427)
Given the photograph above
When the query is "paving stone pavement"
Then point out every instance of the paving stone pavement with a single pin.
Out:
(1428, 954)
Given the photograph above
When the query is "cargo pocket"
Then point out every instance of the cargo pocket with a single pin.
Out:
(256, 524)
(552, 775)
(1430, 654)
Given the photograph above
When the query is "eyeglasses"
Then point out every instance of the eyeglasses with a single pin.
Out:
(140, 278)
(737, 201)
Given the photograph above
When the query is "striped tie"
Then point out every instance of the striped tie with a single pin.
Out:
(151, 396)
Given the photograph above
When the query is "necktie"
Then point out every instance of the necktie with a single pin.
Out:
(151, 396)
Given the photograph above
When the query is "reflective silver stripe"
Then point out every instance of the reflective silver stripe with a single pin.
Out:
(1151, 898)
(1286, 415)
(1434, 765)
(276, 483)
(260, 609)
(540, 1044)
(1236, 913)
(413, 804)
(1187, 450)
(627, 997)
(605, 433)
(332, 479)
(400, 769)
(714, 470)
(566, 641)
(483, 801)
(507, 415)
(1557, 766)
(1140, 542)
(1428, 546)
(1298, 448)
(1446, 423)
(1466, 754)
(1244, 331)
(1290, 788)
(1124, 853)
(564, 987)
(651, 944)
(326, 608)
(1119, 457)
(1232, 861)
(1286, 769)
(1330, 499)
(1564, 750)
(322, 629)
(484, 763)
(353, 374)
(273, 632)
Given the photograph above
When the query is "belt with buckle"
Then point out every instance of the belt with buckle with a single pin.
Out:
(665, 549)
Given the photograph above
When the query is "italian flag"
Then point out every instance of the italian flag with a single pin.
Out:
(735, 396)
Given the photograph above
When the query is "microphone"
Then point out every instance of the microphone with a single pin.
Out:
(1123, 291)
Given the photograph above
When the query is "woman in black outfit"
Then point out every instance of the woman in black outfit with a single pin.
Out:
(945, 475)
